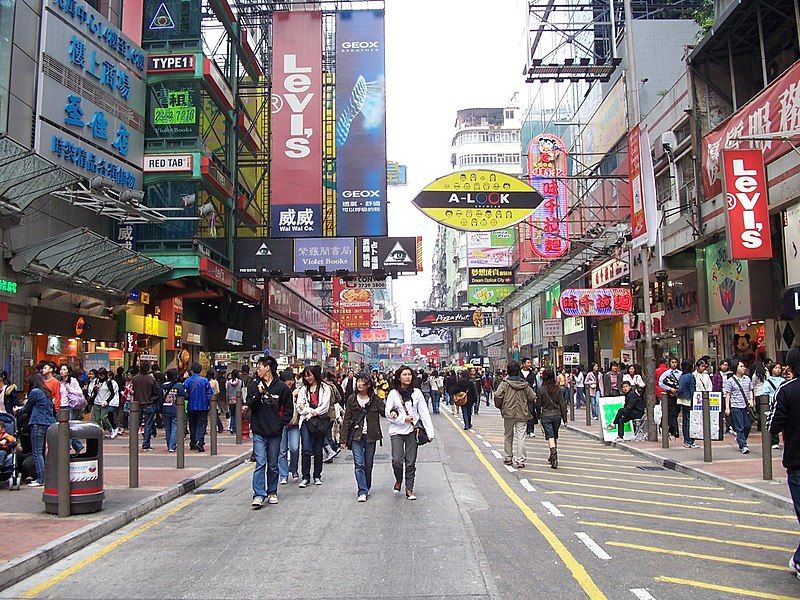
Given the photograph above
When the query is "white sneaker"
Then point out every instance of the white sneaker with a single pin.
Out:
(745, 450)
(114, 433)
(258, 502)
(284, 481)
(303, 484)
(794, 567)
(362, 498)
(776, 447)
(35, 483)
(318, 481)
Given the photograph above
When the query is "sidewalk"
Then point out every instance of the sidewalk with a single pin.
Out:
(729, 467)
(38, 539)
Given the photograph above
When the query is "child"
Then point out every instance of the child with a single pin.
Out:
(7, 442)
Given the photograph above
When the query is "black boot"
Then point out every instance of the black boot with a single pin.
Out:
(553, 459)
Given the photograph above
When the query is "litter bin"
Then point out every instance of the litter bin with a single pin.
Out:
(85, 470)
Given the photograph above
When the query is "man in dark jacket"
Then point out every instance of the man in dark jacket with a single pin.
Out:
(785, 417)
(529, 374)
(634, 409)
(270, 408)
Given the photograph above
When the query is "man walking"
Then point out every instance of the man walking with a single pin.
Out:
(513, 397)
(527, 373)
(270, 407)
(669, 383)
(198, 389)
(144, 392)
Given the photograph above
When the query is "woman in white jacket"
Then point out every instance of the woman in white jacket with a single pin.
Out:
(406, 406)
(312, 403)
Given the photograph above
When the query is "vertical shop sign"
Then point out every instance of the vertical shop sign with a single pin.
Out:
(296, 148)
(746, 199)
(547, 167)
(360, 124)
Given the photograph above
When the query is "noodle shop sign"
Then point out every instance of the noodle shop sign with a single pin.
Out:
(601, 302)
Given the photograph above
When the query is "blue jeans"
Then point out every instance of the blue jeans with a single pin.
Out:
(76, 414)
(363, 458)
(436, 398)
(198, 419)
(466, 412)
(687, 411)
(595, 400)
(312, 446)
(233, 417)
(793, 479)
(38, 433)
(580, 398)
(149, 414)
(169, 415)
(266, 450)
(741, 425)
(289, 453)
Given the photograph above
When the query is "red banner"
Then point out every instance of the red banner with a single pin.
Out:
(747, 199)
(775, 110)
(638, 222)
(296, 148)
(352, 306)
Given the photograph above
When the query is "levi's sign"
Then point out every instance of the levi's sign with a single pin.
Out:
(747, 203)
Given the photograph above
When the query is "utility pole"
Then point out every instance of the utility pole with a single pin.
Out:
(636, 117)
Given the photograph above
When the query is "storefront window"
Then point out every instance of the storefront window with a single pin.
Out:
(6, 35)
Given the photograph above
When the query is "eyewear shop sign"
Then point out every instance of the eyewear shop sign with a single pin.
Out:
(93, 95)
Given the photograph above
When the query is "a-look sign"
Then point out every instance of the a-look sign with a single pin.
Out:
(745, 187)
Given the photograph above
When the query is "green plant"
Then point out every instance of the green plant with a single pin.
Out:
(704, 16)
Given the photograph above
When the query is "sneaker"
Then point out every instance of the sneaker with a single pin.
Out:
(507, 461)
(258, 502)
(284, 480)
(148, 449)
(795, 568)
(272, 499)
(172, 449)
(687, 445)
(619, 439)
(519, 465)
(337, 451)
(362, 498)
(114, 433)
(410, 495)
(776, 447)
(745, 450)
(35, 483)
(329, 460)
(303, 483)
(295, 477)
(317, 481)
(396, 488)
(693, 445)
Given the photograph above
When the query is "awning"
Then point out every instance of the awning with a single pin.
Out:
(84, 258)
(26, 176)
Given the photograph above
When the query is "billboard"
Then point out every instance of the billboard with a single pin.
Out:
(398, 254)
(491, 248)
(596, 302)
(744, 182)
(170, 20)
(352, 306)
(332, 253)
(296, 145)
(547, 168)
(256, 257)
(173, 109)
(451, 318)
(360, 124)
(489, 294)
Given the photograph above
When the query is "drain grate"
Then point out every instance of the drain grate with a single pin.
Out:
(206, 491)
(650, 468)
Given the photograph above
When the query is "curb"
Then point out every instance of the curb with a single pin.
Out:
(728, 484)
(26, 565)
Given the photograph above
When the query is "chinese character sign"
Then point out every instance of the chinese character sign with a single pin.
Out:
(547, 167)
(746, 198)
(598, 302)
(352, 306)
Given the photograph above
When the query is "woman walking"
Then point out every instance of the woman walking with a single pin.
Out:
(361, 429)
(687, 384)
(172, 392)
(552, 406)
(406, 409)
(466, 386)
(39, 408)
(103, 393)
(233, 388)
(312, 404)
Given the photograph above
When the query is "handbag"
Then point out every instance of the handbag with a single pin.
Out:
(751, 412)
(420, 433)
(460, 398)
(317, 425)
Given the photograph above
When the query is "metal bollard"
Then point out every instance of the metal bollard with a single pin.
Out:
(572, 398)
(239, 419)
(133, 446)
(766, 439)
(212, 426)
(664, 421)
(64, 485)
(589, 410)
(706, 428)
(180, 435)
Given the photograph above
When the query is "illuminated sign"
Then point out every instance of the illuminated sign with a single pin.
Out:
(547, 168)
(169, 163)
(171, 63)
(172, 109)
(596, 302)
(9, 287)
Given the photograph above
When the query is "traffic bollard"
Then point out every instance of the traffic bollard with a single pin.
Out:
(212, 426)
(239, 419)
(63, 463)
(766, 438)
(664, 421)
(706, 428)
(133, 446)
(181, 435)
(589, 410)
(572, 397)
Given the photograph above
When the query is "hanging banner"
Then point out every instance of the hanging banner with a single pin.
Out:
(296, 147)
(744, 182)
(547, 167)
(642, 194)
(596, 302)
(352, 306)
(360, 124)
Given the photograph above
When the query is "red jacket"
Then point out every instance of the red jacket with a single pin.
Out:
(660, 371)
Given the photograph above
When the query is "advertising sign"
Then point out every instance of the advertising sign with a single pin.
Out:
(684, 306)
(791, 244)
(490, 257)
(396, 174)
(478, 200)
(125, 235)
(370, 335)
(610, 271)
(696, 416)
(490, 276)
(170, 20)
(360, 123)
(547, 169)
(728, 285)
(173, 109)
(257, 257)
(451, 318)
(608, 408)
(296, 145)
(428, 335)
(169, 163)
(744, 182)
(83, 470)
(332, 253)
(596, 302)
(489, 294)
(171, 63)
(352, 306)
(391, 254)
(572, 359)
(638, 222)
(536, 321)
(552, 328)
(501, 238)
(552, 310)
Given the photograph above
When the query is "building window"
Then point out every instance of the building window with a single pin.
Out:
(6, 36)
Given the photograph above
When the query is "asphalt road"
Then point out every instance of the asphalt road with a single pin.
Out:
(598, 527)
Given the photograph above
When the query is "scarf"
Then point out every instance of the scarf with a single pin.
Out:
(406, 394)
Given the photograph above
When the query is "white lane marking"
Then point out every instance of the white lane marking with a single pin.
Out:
(510, 469)
(479, 436)
(497, 454)
(527, 485)
(592, 545)
(487, 444)
(642, 594)
(551, 508)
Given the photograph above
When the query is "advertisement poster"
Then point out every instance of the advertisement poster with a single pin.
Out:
(547, 168)
(744, 182)
(171, 20)
(352, 306)
(608, 408)
(360, 124)
(728, 285)
(696, 416)
(173, 109)
(296, 146)
(489, 294)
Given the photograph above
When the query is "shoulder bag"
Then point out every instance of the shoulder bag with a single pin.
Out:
(420, 432)
(750, 409)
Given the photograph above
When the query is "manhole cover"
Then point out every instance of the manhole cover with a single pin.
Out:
(205, 491)
(650, 468)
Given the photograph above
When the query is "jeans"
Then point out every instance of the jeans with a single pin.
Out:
(595, 401)
(466, 412)
(169, 415)
(289, 452)
(487, 394)
(550, 427)
(329, 439)
(741, 424)
(232, 421)
(312, 446)
(436, 398)
(149, 415)
(38, 433)
(363, 458)
(198, 419)
(404, 453)
(266, 450)
(514, 438)
(686, 411)
(793, 479)
(76, 414)
(580, 398)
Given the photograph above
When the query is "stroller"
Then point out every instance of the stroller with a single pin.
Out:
(8, 467)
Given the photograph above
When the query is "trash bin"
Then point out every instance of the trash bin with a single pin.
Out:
(85, 470)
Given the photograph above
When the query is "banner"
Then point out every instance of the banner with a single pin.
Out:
(744, 182)
(596, 302)
(642, 182)
(360, 124)
(352, 306)
(547, 168)
(489, 294)
(608, 408)
(296, 146)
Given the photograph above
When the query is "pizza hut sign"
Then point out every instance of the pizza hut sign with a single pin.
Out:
(745, 187)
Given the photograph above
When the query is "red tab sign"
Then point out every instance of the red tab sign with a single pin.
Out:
(746, 197)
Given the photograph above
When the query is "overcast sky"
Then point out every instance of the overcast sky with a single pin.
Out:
(441, 56)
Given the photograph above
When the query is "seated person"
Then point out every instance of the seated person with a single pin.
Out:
(7, 442)
(634, 409)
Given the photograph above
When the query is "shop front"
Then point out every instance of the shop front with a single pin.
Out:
(685, 314)
(576, 339)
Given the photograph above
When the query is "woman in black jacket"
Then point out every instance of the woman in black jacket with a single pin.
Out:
(361, 429)
(466, 385)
